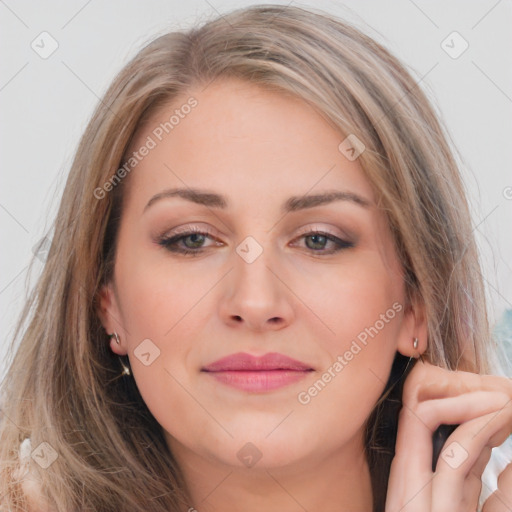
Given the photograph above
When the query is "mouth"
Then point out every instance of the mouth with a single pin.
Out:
(257, 374)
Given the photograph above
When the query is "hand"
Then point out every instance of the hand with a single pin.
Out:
(482, 406)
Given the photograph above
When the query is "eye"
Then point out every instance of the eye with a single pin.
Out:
(317, 241)
(191, 242)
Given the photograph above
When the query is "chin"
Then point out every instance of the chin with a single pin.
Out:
(272, 448)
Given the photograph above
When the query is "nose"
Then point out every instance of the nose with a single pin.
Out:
(256, 295)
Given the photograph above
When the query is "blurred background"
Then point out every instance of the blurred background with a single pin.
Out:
(58, 58)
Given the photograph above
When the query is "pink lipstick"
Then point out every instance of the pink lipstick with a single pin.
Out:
(257, 374)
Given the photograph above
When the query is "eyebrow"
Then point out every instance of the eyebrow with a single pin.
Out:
(292, 204)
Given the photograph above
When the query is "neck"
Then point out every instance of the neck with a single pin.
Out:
(339, 482)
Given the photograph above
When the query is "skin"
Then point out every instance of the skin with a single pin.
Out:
(258, 148)
(482, 405)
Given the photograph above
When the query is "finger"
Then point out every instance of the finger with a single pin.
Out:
(410, 483)
(473, 487)
(457, 409)
(408, 490)
(473, 484)
(455, 487)
(501, 499)
(427, 381)
(463, 451)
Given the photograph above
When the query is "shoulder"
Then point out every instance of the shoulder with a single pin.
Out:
(29, 482)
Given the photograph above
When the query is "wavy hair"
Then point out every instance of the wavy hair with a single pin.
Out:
(63, 386)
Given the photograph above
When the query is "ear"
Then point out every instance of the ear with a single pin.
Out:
(414, 325)
(109, 314)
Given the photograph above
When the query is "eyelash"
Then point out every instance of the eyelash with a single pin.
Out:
(170, 243)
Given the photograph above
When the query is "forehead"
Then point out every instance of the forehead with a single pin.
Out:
(246, 139)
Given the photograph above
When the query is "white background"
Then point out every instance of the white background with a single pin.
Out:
(46, 103)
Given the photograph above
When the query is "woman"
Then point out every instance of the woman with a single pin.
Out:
(262, 233)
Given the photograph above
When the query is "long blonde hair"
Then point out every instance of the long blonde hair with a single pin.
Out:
(63, 385)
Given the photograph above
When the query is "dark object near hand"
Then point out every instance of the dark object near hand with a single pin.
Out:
(439, 437)
(442, 433)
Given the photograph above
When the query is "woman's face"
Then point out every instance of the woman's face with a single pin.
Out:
(259, 280)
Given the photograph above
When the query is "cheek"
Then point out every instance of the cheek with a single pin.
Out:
(359, 299)
(361, 309)
(159, 338)
(156, 294)
(161, 309)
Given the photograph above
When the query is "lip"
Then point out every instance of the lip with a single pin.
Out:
(257, 374)
(247, 362)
